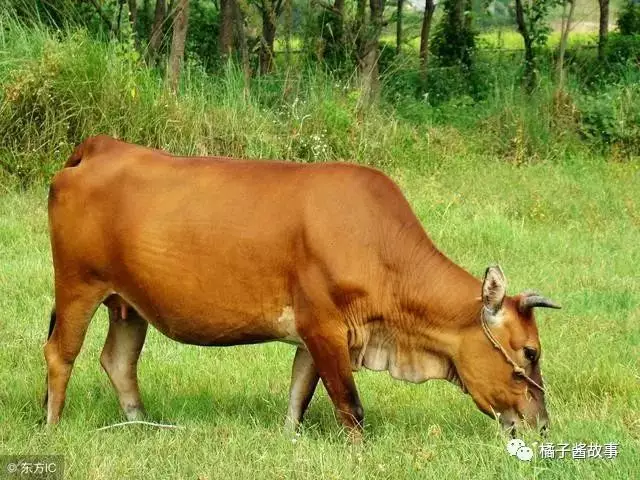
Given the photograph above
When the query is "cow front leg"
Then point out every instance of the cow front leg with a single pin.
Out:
(119, 358)
(304, 379)
(329, 349)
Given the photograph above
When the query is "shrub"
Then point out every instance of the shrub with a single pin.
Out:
(629, 19)
(611, 120)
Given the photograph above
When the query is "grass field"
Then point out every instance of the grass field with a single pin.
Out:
(570, 230)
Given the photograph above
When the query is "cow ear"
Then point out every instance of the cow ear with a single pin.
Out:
(494, 288)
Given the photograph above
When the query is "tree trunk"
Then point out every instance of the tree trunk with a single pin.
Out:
(180, 25)
(529, 53)
(370, 54)
(133, 18)
(244, 47)
(564, 39)
(399, 28)
(156, 32)
(268, 36)
(427, 18)
(227, 13)
(360, 24)
(604, 27)
(288, 26)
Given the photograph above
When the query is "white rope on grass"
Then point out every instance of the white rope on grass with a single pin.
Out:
(139, 422)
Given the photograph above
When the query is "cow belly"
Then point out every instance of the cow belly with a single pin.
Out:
(207, 323)
(204, 297)
(217, 330)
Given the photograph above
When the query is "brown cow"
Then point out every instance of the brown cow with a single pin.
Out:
(329, 257)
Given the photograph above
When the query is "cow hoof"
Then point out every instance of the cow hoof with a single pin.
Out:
(291, 426)
(134, 413)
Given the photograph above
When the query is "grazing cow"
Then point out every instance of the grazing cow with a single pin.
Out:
(328, 257)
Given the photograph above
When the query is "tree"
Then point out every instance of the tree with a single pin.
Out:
(332, 32)
(133, 18)
(227, 14)
(399, 27)
(564, 38)
(454, 42)
(370, 52)
(425, 31)
(155, 39)
(603, 31)
(269, 10)
(176, 55)
(532, 25)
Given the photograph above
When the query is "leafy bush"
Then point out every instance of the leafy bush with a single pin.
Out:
(454, 41)
(204, 32)
(629, 19)
(623, 49)
(611, 119)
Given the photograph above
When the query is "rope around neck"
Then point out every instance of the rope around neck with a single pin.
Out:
(518, 370)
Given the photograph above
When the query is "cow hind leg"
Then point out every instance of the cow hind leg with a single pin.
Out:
(119, 358)
(304, 379)
(75, 305)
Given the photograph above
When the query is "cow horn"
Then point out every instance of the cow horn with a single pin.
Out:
(535, 300)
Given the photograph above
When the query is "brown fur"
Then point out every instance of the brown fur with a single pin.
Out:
(214, 251)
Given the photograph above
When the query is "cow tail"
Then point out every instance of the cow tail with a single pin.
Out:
(52, 324)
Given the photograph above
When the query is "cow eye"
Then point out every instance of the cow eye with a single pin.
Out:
(530, 354)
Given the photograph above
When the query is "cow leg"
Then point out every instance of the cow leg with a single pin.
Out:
(75, 305)
(119, 358)
(304, 379)
(327, 344)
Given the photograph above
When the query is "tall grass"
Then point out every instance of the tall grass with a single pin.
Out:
(57, 87)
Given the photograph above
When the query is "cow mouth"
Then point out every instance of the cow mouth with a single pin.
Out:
(453, 377)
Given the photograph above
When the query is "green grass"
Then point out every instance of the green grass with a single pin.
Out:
(569, 230)
(506, 178)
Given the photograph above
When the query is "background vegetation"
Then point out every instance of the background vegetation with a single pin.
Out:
(531, 162)
(69, 69)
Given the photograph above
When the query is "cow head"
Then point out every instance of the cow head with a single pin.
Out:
(499, 357)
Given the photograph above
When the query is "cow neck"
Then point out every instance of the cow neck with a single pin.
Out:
(437, 298)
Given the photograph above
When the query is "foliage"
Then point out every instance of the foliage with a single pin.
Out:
(611, 119)
(47, 77)
(629, 19)
(623, 49)
(204, 30)
(454, 39)
(537, 20)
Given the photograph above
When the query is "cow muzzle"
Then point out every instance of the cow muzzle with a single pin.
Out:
(512, 422)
